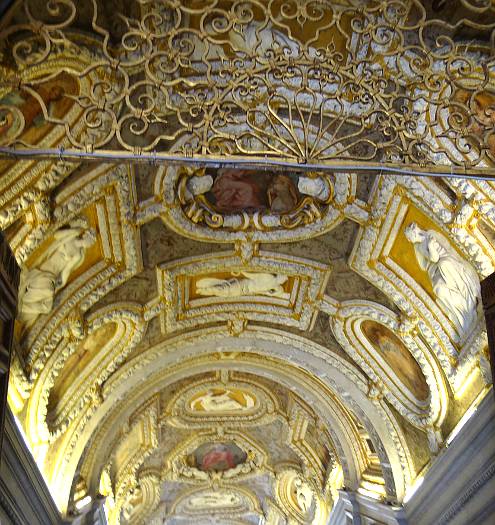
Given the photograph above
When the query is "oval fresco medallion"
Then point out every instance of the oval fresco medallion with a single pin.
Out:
(392, 350)
(237, 190)
(217, 457)
(230, 204)
(240, 199)
(217, 400)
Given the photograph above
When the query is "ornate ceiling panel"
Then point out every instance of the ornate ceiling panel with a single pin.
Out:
(124, 379)
(216, 340)
(353, 83)
(268, 288)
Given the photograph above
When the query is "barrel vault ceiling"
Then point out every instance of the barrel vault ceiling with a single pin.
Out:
(234, 343)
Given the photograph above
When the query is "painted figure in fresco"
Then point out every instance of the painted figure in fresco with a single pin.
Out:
(222, 401)
(484, 112)
(29, 107)
(252, 284)
(282, 194)
(235, 190)
(386, 344)
(219, 457)
(398, 357)
(454, 281)
(39, 284)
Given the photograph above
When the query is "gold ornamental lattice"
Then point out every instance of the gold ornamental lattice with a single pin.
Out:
(399, 85)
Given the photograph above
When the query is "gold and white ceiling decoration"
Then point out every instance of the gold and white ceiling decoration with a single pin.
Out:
(355, 82)
(226, 343)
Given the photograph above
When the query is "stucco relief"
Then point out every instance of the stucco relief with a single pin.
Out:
(222, 400)
(325, 357)
(225, 500)
(245, 283)
(298, 498)
(229, 402)
(51, 272)
(119, 258)
(455, 283)
(213, 500)
(272, 287)
(228, 205)
(384, 255)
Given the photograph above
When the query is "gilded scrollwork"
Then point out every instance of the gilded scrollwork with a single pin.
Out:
(286, 82)
(180, 372)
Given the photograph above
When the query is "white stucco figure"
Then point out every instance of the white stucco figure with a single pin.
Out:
(455, 282)
(304, 495)
(223, 401)
(198, 186)
(190, 473)
(39, 284)
(250, 284)
(314, 187)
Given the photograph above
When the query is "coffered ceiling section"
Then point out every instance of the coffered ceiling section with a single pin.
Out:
(199, 373)
(229, 343)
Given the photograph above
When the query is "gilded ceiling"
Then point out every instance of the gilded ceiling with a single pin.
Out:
(235, 337)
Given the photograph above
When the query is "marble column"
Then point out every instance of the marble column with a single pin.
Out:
(24, 496)
(457, 489)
